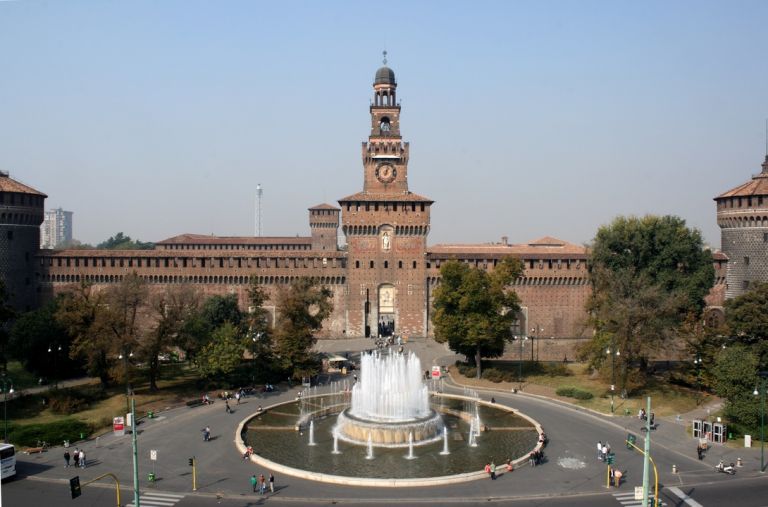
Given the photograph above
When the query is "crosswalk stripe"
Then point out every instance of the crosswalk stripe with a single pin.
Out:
(152, 493)
(685, 498)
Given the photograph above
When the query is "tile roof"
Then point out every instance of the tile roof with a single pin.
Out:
(546, 246)
(758, 185)
(7, 184)
(371, 197)
(203, 239)
(325, 206)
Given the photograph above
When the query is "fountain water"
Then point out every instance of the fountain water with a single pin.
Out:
(311, 432)
(335, 443)
(472, 439)
(445, 451)
(390, 402)
(410, 447)
(369, 455)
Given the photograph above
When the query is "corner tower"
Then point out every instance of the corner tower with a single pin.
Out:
(386, 227)
(742, 214)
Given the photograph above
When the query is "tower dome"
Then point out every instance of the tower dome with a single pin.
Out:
(385, 75)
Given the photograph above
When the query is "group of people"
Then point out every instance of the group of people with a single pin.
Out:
(536, 457)
(261, 483)
(77, 456)
(603, 450)
(491, 469)
(643, 417)
(615, 475)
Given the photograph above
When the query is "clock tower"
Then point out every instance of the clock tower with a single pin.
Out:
(386, 227)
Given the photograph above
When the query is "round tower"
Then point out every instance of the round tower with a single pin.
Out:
(742, 214)
(21, 213)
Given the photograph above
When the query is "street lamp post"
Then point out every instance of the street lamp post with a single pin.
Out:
(125, 357)
(763, 375)
(697, 362)
(613, 355)
(536, 332)
(255, 340)
(55, 352)
(520, 363)
(7, 389)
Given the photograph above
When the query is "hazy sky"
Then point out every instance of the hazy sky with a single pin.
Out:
(525, 119)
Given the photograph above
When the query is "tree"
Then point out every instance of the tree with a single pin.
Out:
(122, 242)
(7, 314)
(746, 318)
(223, 353)
(171, 310)
(78, 313)
(735, 374)
(257, 320)
(199, 326)
(42, 344)
(475, 309)
(648, 275)
(301, 310)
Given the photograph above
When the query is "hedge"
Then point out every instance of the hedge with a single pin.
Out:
(55, 433)
(574, 392)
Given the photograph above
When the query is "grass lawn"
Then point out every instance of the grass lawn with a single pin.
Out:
(666, 399)
(178, 384)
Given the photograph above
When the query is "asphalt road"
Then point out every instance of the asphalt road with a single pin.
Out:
(746, 492)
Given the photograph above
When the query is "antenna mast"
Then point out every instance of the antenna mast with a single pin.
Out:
(259, 192)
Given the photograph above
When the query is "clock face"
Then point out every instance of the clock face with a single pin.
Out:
(386, 173)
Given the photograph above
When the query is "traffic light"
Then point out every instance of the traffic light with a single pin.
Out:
(74, 487)
(631, 439)
(611, 458)
(191, 462)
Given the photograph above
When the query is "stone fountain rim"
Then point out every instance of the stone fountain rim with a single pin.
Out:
(372, 482)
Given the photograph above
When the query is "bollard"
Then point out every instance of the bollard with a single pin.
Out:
(674, 469)
(151, 477)
(739, 463)
(151, 414)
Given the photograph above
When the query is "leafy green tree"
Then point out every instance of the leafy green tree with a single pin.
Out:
(223, 353)
(747, 320)
(648, 275)
(198, 327)
(170, 310)
(122, 242)
(78, 312)
(42, 344)
(301, 309)
(257, 320)
(735, 374)
(7, 314)
(475, 309)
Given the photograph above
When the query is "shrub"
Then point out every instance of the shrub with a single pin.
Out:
(574, 392)
(67, 405)
(54, 433)
(493, 375)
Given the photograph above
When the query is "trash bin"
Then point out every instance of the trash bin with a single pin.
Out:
(82, 436)
(151, 477)
(151, 414)
(66, 443)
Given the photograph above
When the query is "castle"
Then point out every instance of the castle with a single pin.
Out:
(383, 281)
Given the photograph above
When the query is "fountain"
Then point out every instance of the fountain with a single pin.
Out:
(369, 454)
(335, 443)
(445, 451)
(410, 447)
(312, 432)
(390, 403)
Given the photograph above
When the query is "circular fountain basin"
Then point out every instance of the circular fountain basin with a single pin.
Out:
(506, 435)
(420, 431)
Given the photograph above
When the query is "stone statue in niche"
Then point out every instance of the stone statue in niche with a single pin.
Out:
(385, 241)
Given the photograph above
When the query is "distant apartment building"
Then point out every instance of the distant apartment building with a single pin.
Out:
(56, 230)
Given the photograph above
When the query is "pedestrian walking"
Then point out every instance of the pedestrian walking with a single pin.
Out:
(493, 471)
(604, 452)
(532, 459)
(206, 433)
(82, 458)
(607, 449)
(599, 450)
(653, 417)
(226, 407)
(66, 459)
(76, 458)
(271, 483)
(617, 475)
(487, 468)
(699, 451)
(254, 482)
(237, 397)
(262, 484)
(510, 466)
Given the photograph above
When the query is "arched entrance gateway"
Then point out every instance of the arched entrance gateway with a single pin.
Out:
(386, 311)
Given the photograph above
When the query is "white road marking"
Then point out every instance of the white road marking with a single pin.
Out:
(685, 498)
